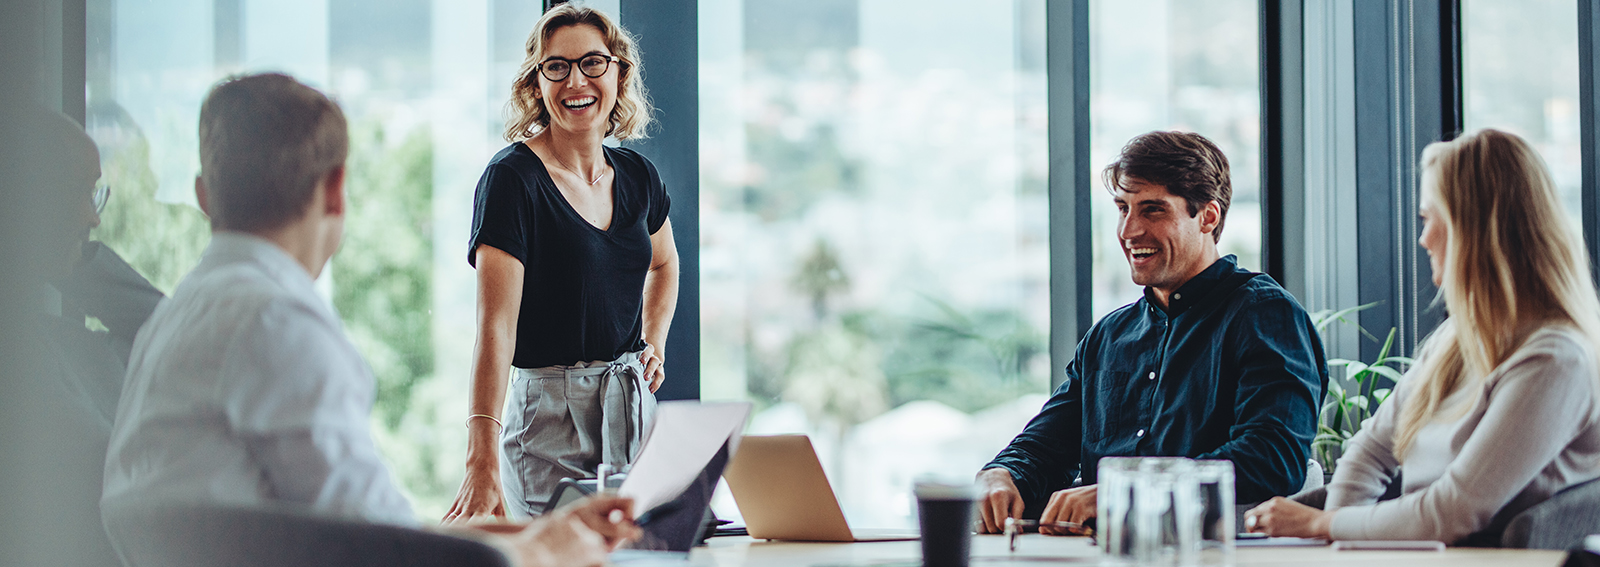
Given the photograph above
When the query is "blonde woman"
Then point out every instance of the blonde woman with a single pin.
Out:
(577, 273)
(1500, 411)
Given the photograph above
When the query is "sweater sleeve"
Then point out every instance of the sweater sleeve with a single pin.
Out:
(1537, 405)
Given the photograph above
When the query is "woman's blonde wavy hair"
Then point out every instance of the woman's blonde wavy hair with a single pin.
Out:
(1515, 263)
(527, 114)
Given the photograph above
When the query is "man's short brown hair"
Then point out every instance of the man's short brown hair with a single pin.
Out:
(265, 142)
(1187, 164)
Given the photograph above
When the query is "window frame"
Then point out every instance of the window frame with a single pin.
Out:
(1589, 123)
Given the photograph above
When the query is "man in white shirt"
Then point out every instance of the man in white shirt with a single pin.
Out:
(243, 388)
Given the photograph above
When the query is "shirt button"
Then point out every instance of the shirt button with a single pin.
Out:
(1152, 376)
(1177, 296)
(1139, 434)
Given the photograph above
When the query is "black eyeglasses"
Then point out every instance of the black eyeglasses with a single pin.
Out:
(592, 66)
(102, 194)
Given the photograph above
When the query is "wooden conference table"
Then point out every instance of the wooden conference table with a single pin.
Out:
(1034, 549)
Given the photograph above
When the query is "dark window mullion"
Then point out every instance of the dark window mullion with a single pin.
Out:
(668, 37)
(1452, 111)
(1589, 113)
(1071, 184)
(1407, 88)
(1282, 66)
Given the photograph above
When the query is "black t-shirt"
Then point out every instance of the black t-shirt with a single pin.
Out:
(583, 288)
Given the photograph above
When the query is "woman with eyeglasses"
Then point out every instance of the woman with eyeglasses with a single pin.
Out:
(1500, 411)
(577, 273)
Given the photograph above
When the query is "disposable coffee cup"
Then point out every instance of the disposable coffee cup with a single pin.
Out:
(945, 512)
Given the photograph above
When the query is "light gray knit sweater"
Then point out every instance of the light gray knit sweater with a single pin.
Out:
(1529, 429)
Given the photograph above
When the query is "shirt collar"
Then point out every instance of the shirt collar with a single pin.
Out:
(231, 247)
(1198, 287)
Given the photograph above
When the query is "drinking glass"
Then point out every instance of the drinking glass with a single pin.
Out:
(1216, 497)
(1114, 507)
(1167, 512)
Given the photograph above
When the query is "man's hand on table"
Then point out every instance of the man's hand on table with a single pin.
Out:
(1075, 505)
(1000, 500)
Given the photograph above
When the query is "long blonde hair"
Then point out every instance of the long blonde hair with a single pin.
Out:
(526, 114)
(1515, 262)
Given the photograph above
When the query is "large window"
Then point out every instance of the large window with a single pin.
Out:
(874, 231)
(1173, 65)
(874, 220)
(1520, 74)
(421, 82)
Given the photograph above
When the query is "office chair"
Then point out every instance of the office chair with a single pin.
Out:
(206, 535)
(1558, 523)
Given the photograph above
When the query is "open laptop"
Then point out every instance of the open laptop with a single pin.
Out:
(782, 493)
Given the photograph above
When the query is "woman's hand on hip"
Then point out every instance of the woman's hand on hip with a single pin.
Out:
(654, 374)
(480, 497)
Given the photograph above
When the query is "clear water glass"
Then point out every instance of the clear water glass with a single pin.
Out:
(1167, 512)
(1114, 516)
(1217, 528)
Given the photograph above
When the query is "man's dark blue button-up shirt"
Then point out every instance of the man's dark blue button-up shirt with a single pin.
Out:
(1232, 369)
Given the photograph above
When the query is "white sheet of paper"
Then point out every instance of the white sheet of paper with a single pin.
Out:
(684, 438)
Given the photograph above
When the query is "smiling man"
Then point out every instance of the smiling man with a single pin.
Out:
(1214, 362)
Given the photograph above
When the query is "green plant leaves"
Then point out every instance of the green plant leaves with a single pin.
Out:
(1386, 372)
(1321, 319)
(1352, 401)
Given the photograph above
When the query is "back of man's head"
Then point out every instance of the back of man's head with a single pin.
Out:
(1187, 164)
(265, 142)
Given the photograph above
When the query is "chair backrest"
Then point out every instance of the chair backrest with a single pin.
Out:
(1314, 475)
(1558, 523)
(208, 535)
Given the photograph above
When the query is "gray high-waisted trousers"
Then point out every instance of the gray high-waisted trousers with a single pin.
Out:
(563, 421)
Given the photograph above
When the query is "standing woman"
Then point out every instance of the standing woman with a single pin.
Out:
(577, 273)
(1500, 411)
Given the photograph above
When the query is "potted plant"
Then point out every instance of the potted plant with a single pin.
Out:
(1352, 399)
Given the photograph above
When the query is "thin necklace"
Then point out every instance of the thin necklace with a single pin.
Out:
(573, 170)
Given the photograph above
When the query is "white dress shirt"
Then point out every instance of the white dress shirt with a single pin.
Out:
(243, 389)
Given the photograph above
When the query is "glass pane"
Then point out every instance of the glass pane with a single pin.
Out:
(874, 231)
(421, 83)
(1173, 65)
(1520, 67)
